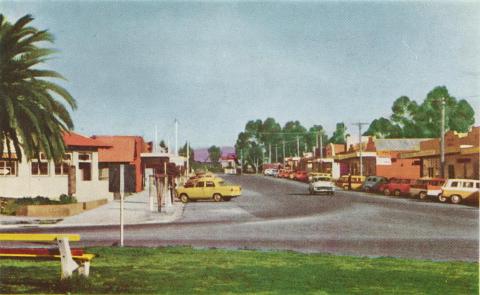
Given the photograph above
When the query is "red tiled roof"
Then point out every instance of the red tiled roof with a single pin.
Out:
(122, 148)
(75, 139)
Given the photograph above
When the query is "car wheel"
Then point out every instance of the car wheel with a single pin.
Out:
(441, 198)
(386, 192)
(422, 195)
(397, 193)
(456, 199)
(217, 197)
(184, 198)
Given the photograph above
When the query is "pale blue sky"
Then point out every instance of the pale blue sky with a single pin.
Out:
(215, 65)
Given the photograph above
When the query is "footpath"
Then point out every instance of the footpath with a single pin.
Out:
(136, 211)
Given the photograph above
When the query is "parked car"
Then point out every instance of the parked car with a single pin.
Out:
(460, 190)
(275, 173)
(372, 183)
(322, 185)
(208, 188)
(434, 190)
(317, 178)
(397, 186)
(312, 175)
(269, 171)
(284, 173)
(353, 181)
(301, 176)
(291, 174)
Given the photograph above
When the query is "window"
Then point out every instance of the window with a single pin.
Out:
(200, 184)
(85, 166)
(62, 168)
(210, 184)
(40, 167)
(454, 184)
(102, 171)
(468, 184)
(477, 184)
(8, 168)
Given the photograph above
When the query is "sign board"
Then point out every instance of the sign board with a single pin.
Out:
(114, 178)
(384, 161)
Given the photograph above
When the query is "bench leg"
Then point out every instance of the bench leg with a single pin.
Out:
(84, 269)
(68, 264)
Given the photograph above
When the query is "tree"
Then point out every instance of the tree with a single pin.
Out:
(383, 128)
(293, 130)
(163, 145)
(339, 134)
(314, 132)
(32, 118)
(183, 152)
(214, 153)
(411, 120)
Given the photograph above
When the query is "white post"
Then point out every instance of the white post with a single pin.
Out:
(151, 182)
(168, 199)
(122, 184)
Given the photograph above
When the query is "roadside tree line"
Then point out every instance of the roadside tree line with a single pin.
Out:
(268, 141)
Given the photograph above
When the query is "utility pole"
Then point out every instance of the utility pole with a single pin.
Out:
(442, 141)
(176, 137)
(316, 143)
(298, 146)
(188, 159)
(321, 144)
(360, 124)
(241, 161)
(276, 153)
(155, 143)
(269, 153)
(283, 153)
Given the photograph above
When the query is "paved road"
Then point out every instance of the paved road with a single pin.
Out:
(279, 214)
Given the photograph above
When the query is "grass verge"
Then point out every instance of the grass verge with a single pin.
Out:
(183, 270)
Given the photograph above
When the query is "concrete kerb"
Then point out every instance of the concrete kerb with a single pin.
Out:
(136, 213)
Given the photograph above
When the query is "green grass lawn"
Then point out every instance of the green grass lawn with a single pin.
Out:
(181, 270)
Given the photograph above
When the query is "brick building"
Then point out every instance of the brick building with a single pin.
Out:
(461, 155)
(381, 157)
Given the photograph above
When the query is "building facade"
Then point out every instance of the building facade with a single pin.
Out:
(76, 175)
(461, 155)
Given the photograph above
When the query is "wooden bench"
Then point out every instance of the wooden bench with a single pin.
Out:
(70, 259)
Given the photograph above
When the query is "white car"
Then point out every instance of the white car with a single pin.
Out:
(322, 185)
(270, 172)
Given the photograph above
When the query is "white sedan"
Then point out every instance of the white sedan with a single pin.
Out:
(322, 185)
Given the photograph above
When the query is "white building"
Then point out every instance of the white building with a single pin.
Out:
(49, 179)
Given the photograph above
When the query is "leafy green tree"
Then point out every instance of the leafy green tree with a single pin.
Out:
(291, 131)
(339, 134)
(163, 145)
(32, 118)
(411, 120)
(314, 132)
(214, 153)
(183, 152)
(383, 128)
(459, 115)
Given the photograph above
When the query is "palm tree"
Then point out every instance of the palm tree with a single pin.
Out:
(32, 119)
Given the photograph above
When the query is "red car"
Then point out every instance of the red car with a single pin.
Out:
(397, 187)
(301, 176)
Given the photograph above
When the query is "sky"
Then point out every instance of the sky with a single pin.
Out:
(213, 66)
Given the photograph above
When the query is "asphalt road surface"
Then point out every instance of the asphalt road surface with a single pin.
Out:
(280, 214)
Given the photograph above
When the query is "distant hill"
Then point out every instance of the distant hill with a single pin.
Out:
(201, 154)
